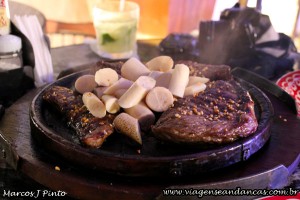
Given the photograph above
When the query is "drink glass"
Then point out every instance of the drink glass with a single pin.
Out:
(116, 24)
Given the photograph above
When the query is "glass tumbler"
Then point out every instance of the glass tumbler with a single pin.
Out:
(116, 24)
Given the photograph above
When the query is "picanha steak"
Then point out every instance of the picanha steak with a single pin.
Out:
(91, 131)
(220, 114)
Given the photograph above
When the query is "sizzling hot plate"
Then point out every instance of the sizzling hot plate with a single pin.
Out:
(118, 156)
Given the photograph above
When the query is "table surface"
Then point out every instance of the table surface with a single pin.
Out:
(72, 58)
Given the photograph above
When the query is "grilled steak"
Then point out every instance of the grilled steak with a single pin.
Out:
(222, 113)
(92, 131)
(116, 65)
(213, 72)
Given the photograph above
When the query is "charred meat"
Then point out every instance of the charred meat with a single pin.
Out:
(92, 131)
(222, 113)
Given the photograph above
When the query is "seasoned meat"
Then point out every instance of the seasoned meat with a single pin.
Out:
(213, 72)
(116, 65)
(92, 131)
(222, 113)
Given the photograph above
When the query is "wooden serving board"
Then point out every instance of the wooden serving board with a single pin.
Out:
(268, 168)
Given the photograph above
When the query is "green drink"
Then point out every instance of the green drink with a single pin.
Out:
(116, 29)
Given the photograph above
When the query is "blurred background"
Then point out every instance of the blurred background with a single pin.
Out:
(160, 17)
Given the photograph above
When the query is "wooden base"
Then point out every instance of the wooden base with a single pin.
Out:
(268, 168)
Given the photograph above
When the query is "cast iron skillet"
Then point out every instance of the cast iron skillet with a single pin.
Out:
(119, 157)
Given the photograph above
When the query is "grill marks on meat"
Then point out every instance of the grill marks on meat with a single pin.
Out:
(92, 131)
(222, 113)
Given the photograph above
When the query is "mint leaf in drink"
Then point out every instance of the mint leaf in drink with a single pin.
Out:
(106, 38)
